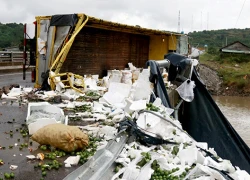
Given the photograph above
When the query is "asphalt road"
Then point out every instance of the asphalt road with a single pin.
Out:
(16, 78)
(12, 118)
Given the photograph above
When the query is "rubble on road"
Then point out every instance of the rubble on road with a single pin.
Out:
(160, 149)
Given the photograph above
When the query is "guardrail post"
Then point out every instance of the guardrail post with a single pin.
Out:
(11, 56)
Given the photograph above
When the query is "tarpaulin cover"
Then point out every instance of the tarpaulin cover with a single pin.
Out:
(204, 121)
(159, 87)
(177, 64)
(64, 20)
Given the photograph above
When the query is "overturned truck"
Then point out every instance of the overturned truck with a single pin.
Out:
(86, 45)
(76, 45)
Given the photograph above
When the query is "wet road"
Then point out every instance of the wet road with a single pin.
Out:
(16, 78)
(12, 118)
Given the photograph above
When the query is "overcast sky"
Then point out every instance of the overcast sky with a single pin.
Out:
(157, 14)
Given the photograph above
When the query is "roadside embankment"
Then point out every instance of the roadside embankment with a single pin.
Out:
(225, 76)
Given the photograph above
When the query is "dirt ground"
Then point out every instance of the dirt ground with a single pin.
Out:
(211, 79)
(215, 85)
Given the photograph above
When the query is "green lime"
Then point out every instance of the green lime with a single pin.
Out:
(12, 175)
(44, 173)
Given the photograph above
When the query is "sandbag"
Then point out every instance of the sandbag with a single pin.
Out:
(67, 138)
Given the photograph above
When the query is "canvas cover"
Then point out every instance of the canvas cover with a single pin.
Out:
(64, 20)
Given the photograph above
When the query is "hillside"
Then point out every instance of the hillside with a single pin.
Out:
(217, 38)
(233, 71)
(11, 34)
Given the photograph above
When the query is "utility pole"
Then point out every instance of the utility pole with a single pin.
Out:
(179, 22)
(226, 41)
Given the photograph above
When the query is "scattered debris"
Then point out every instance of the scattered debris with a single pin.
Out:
(95, 117)
(72, 160)
(31, 157)
(13, 167)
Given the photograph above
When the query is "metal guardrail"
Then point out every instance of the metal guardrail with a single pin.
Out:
(12, 56)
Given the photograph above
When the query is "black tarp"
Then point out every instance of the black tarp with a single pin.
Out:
(64, 20)
(177, 64)
(204, 121)
(159, 87)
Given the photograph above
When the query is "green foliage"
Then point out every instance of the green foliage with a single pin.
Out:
(212, 50)
(218, 38)
(225, 65)
(237, 58)
(11, 34)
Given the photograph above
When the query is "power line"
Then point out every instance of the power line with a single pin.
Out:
(240, 13)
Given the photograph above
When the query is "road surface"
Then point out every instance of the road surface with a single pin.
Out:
(12, 118)
(16, 78)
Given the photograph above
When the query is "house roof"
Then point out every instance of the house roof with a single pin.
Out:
(234, 43)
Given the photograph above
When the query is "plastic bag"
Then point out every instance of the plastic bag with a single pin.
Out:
(67, 138)
(185, 90)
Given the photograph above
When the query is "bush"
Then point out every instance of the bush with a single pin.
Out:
(212, 50)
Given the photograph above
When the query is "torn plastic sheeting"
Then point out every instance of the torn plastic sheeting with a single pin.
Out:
(226, 165)
(138, 105)
(70, 105)
(240, 175)
(210, 162)
(146, 171)
(146, 120)
(158, 103)
(100, 108)
(116, 112)
(41, 114)
(72, 94)
(107, 131)
(39, 123)
(4, 96)
(201, 170)
(118, 117)
(50, 93)
(114, 98)
(14, 92)
(162, 128)
(74, 103)
(188, 155)
(122, 88)
(202, 145)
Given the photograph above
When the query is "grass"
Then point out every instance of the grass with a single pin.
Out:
(234, 69)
